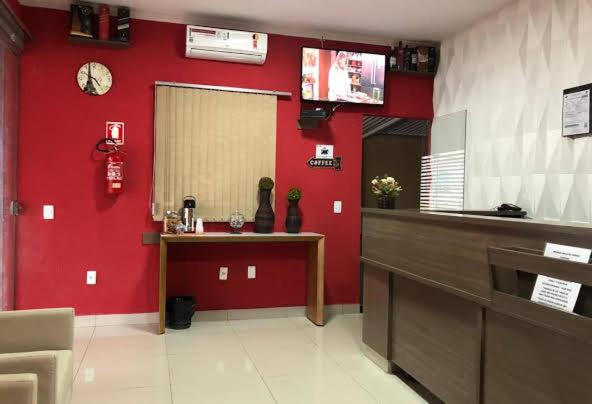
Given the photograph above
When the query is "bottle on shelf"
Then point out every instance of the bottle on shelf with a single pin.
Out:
(432, 59)
(400, 56)
(393, 59)
(422, 59)
(413, 66)
(104, 22)
(407, 59)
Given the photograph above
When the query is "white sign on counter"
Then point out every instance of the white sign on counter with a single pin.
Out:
(564, 252)
(558, 293)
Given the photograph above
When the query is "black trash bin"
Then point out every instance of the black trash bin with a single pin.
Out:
(179, 311)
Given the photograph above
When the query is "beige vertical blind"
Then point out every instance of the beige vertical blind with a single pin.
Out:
(214, 145)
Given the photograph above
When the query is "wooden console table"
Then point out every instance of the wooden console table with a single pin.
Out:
(315, 267)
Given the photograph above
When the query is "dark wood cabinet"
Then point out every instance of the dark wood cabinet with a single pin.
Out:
(462, 322)
(437, 339)
(377, 310)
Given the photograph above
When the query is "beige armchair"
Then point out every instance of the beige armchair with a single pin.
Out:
(36, 356)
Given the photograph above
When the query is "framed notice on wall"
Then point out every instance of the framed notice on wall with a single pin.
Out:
(577, 113)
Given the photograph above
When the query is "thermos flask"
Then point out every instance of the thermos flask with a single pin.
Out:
(189, 206)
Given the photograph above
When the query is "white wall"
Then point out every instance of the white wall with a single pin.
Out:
(509, 72)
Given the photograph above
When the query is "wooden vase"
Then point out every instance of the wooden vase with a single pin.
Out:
(293, 218)
(264, 217)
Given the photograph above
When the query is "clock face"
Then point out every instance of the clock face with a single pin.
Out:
(94, 78)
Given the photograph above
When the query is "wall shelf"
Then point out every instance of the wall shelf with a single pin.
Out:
(98, 42)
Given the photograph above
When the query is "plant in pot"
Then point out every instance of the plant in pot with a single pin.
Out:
(264, 217)
(386, 190)
(293, 218)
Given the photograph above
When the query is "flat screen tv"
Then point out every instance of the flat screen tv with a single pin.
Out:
(342, 76)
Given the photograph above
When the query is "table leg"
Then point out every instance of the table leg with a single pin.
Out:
(162, 286)
(315, 274)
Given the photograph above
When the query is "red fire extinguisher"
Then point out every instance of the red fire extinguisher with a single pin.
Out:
(113, 165)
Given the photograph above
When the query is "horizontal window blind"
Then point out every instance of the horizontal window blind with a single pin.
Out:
(442, 181)
(214, 145)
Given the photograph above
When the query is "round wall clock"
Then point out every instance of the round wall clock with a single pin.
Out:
(94, 78)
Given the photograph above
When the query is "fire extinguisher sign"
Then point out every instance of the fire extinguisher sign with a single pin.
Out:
(115, 131)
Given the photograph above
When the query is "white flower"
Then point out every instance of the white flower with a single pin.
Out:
(374, 181)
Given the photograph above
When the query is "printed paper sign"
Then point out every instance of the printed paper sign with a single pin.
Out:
(558, 293)
(564, 252)
(576, 113)
(324, 151)
(115, 131)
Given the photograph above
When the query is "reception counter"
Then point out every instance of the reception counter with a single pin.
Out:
(447, 300)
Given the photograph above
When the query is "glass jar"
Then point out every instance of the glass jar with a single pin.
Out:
(172, 222)
(237, 221)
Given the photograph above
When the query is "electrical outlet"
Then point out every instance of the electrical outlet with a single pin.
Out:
(91, 277)
(223, 273)
(251, 271)
(336, 206)
(48, 212)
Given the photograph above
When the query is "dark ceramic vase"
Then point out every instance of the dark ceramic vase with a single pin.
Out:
(386, 202)
(264, 217)
(293, 219)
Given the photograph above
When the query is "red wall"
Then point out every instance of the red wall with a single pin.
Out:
(59, 126)
(15, 7)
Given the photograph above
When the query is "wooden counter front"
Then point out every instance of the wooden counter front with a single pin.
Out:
(445, 329)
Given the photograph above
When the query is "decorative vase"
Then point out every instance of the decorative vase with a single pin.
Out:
(386, 202)
(293, 219)
(264, 217)
(236, 222)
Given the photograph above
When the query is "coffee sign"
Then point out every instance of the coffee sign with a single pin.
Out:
(334, 163)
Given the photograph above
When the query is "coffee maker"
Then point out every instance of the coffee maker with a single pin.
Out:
(189, 207)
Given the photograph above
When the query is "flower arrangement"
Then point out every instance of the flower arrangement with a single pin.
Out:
(266, 184)
(294, 194)
(386, 186)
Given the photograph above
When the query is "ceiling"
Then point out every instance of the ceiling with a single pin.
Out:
(367, 21)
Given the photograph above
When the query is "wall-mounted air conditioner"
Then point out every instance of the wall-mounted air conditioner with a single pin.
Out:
(226, 45)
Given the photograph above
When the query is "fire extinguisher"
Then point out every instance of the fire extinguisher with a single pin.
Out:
(113, 165)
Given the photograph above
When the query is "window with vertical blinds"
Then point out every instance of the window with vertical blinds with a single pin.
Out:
(214, 145)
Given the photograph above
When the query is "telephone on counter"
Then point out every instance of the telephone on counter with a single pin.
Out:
(505, 207)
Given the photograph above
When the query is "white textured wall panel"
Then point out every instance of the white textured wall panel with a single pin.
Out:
(509, 71)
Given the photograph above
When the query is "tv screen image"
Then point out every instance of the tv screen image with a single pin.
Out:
(342, 76)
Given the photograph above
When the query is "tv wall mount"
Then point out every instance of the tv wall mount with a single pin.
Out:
(311, 118)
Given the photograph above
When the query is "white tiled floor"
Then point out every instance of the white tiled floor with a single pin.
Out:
(239, 362)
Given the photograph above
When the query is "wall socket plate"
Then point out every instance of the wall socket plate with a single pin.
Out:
(48, 212)
(251, 271)
(91, 277)
(223, 274)
(336, 206)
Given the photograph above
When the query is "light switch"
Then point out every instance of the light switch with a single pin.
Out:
(48, 212)
(251, 271)
(336, 206)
